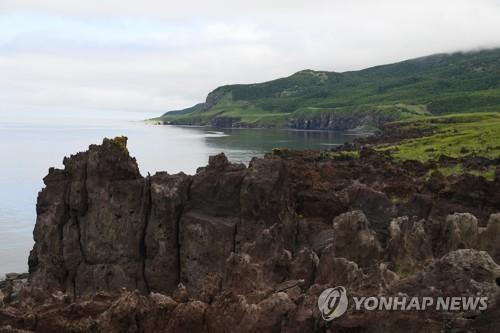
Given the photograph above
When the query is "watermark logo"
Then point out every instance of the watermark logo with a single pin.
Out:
(333, 303)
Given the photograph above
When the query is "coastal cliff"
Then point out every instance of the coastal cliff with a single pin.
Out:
(251, 248)
(428, 86)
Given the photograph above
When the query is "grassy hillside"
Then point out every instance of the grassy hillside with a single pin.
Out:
(472, 134)
(435, 85)
(456, 138)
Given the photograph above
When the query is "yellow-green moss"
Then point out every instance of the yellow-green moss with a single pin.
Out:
(120, 141)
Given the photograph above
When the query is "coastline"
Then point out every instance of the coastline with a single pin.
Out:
(258, 239)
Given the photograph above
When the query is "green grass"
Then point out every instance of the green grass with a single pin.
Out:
(453, 98)
(453, 136)
(240, 110)
(458, 169)
(352, 154)
(435, 85)
(488, 174)
(462, 135)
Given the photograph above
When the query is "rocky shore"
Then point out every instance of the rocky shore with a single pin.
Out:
(250, 249)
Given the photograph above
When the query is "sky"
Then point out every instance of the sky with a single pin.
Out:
(155, 56)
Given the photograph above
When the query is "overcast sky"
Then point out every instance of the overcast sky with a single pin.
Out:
(155, 56)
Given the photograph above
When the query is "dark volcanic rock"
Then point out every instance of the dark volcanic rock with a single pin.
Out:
(354, 240)
(251, 248)
(409, 247)
(74, 250)
(336, 121)
(169, 195)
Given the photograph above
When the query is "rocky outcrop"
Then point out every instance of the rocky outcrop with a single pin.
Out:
(355, 240)
(489, 238)
(161, 239)
(460, 232)
(252, 247)
(74, 250)
(341, 122)
(409, 248)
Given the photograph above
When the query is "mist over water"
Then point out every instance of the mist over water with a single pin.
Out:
(31, 143)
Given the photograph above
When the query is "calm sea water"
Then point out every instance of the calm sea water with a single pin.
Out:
(30, 143)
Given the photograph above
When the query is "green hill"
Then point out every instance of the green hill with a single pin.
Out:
(434, 85)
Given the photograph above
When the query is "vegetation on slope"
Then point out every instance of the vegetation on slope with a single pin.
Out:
(453, 136)
(460, 143)
(434, 85)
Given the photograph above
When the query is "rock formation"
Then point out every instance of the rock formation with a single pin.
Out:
(236, 248)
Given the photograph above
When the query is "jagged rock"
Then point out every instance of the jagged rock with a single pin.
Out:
(188, 317)
(336, 121)
(320, 203)
(207, 228)
(125, 314)
(460, 231)
(226, 312)
(469, 272)
(465, 194)
(287, 285)
(354, 240)
(375, 205)
(215, 189)
(268, 251)
(180, 293)
(46, 262)
(419, 205)
(12, 276)
(245, 277)
(489, 320)
(251, 248)
(265, 200)
(169, 194)
(268, 315)
(408, 247)
(163, 301)
(304, 266)
(305, 316)
(379, 279)
(338, 271)
(323, 239)
(230, 310)
(211, 287)
(205, 243)
(489, 239)
(73, 248)
(12, 288)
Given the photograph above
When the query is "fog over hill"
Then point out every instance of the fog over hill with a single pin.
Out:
(155, 56)
(434, 85)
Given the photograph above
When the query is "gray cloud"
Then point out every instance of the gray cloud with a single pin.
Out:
(155, 56)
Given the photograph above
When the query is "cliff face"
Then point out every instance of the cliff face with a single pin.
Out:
(435, 85)
(251, 248)
(341, 122)
(102, 226)
(74, 250)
